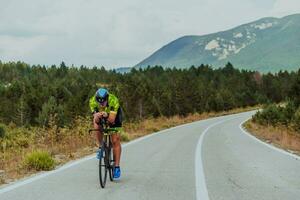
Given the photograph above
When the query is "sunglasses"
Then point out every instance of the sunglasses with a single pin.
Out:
(100, 100)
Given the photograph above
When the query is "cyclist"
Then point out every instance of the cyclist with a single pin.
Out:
(106, 105)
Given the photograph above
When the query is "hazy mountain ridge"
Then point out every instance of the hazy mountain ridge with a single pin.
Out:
(268, 44)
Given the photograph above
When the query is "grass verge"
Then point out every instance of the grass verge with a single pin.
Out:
(280, 136)
(17, 159)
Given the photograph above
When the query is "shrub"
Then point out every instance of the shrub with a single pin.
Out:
(288, 112)
(296, 119)
(270, 115)
(2, 131)
(22, 141)
(39, 160)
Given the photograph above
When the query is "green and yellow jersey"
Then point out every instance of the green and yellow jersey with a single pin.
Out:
(113, 104)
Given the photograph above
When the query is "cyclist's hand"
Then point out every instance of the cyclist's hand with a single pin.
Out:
(104, 114)
(97, 115)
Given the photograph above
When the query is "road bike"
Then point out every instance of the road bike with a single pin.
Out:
(106, 162)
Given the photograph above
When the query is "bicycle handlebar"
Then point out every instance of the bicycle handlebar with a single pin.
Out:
(92, 130)
(105, 127)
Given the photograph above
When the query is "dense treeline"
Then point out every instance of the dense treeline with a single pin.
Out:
(286, 114)
(35, 95)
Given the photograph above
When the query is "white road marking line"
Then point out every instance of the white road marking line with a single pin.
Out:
(201, 188)
(266, 144)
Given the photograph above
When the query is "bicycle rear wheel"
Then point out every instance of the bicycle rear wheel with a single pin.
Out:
(103, 168)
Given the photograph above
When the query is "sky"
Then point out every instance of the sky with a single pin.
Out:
(117, 33)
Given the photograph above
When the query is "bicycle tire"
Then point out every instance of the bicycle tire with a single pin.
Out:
(103, 168)
(111, 166)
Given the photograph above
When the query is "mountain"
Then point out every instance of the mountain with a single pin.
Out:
(266, 45)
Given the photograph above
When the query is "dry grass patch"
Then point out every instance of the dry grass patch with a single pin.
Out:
(283, 137)
(65, 144)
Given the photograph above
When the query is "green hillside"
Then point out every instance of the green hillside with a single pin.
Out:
(269, 44)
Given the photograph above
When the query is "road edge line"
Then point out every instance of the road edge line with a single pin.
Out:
(266, 144)
(25, 181)
(35, 177)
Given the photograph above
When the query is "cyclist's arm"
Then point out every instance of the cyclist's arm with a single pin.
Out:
(113, 112)
(112, 117)
(93, 105)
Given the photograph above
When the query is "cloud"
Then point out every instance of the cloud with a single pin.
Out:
(21, 46)
(113, 33)
(285, 7)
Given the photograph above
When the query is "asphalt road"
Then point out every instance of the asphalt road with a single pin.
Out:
(210, 159)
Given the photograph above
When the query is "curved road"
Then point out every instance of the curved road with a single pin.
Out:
(209, 159)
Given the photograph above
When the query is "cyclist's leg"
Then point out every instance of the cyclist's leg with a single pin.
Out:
(116, 138)
(116, 142)
(98, 134)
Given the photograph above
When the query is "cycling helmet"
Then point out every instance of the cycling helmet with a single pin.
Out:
(101, 95)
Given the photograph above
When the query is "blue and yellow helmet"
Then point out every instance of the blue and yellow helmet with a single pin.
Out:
(101, 95)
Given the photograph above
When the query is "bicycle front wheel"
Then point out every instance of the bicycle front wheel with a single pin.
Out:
(102, 170)
(111, 165)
